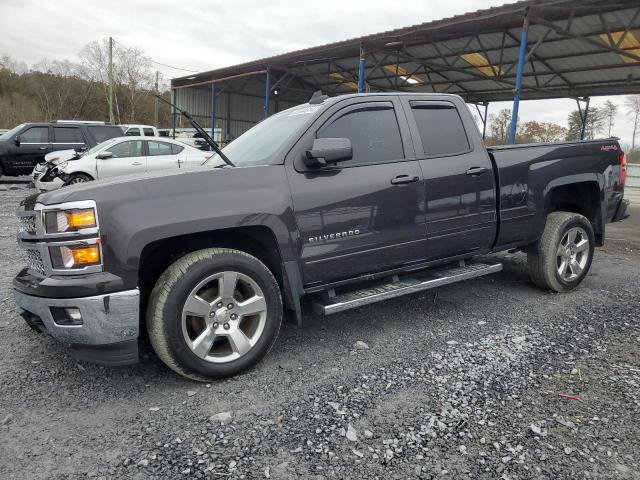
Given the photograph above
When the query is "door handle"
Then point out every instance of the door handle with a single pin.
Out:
(136, 164)
(403, 180)
(475, 171)
(42, 148)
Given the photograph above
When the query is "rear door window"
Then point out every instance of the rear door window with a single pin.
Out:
(148, 132)
(373, 130)
(67, 135)
(441, 130)
(131, 148)
(104, 132)
(35, 135)
(159, 148)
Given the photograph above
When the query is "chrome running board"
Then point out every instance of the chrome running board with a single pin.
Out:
(397, 287)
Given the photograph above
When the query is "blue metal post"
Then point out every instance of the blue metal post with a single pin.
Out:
(361, 72)
(213, 111)
(267, 92)
(175, 96)
(516, 97)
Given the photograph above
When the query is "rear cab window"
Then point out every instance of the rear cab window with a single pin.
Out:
(104, 132)
(440, 127)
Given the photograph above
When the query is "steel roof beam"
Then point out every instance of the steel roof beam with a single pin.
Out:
(561, 31)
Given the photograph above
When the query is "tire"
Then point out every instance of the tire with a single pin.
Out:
(193, 283)
(78, 178)
(556, 266)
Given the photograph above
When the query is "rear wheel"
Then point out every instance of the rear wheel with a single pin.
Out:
(561, 259)
(214, 313)
(78, 178)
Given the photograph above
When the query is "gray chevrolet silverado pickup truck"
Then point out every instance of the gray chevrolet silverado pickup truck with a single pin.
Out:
(342, 202)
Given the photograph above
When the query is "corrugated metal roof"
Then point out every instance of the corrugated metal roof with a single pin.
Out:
(474, 55)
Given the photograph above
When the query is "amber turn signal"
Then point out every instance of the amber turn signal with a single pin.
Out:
(86, 255)
(81, 218)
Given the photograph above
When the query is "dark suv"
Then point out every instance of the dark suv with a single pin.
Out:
(24, 146)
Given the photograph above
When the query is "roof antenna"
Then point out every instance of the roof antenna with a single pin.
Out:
(317, 98)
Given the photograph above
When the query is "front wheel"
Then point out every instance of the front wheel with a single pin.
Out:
(78, 178)
(561, 258)
(214, 313)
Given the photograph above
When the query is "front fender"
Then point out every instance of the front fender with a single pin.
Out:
(137, 212)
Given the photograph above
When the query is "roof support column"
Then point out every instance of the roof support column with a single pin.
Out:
(213, 110)
(516, 98)
(483, 117)
(583, 116)
(361, 71)
(267, 92)
(174, 112)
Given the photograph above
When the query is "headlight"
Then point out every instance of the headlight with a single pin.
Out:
(75, 256)
(73, 220)
(62, 165)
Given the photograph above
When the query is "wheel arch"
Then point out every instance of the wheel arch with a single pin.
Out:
(583, 197)
(259, 241)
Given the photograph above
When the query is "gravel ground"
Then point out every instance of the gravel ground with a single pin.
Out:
(462, 382)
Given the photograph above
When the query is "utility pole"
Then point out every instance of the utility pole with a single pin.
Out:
(111, 79)
(155, 114)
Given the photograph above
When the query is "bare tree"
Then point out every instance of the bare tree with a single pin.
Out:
(632, 103)
(137, 76)
(609, 110)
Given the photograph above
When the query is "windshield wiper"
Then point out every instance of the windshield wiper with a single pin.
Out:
(212, 143)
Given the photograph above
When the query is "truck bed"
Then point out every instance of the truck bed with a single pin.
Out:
(527, 175)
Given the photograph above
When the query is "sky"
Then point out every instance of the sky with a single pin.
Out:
(199, 35)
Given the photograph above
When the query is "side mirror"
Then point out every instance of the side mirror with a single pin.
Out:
(104, 155)
(81, 149)
(16, 141)
(326, 151)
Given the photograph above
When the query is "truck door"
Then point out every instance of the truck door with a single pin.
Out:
(458, 179)
(365, 214)
(33, 145)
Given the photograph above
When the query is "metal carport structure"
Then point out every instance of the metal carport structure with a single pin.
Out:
(532, 49)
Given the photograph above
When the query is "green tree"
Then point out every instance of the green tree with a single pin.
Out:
(596, 119)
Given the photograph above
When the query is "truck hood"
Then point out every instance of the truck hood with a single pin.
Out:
(139, 184)
(61, 156)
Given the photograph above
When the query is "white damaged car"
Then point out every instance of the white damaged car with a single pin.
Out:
(118, 156)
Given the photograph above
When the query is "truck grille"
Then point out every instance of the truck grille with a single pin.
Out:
(34, 261)
(27, 224)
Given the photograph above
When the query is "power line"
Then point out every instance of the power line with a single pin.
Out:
(158, 63)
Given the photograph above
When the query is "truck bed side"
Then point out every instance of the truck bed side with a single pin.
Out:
(535, 179)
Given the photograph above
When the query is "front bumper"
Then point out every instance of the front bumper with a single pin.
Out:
(53, 184)
(109, 330)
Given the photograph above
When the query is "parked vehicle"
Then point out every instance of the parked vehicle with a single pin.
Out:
(140, 131)
(24, 146)
(347, 201)
(115, 157)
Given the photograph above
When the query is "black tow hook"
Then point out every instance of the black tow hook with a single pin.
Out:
(34, 321)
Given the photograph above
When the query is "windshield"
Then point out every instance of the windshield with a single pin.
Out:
(258, 144)
(8, 135)
(98, 147)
